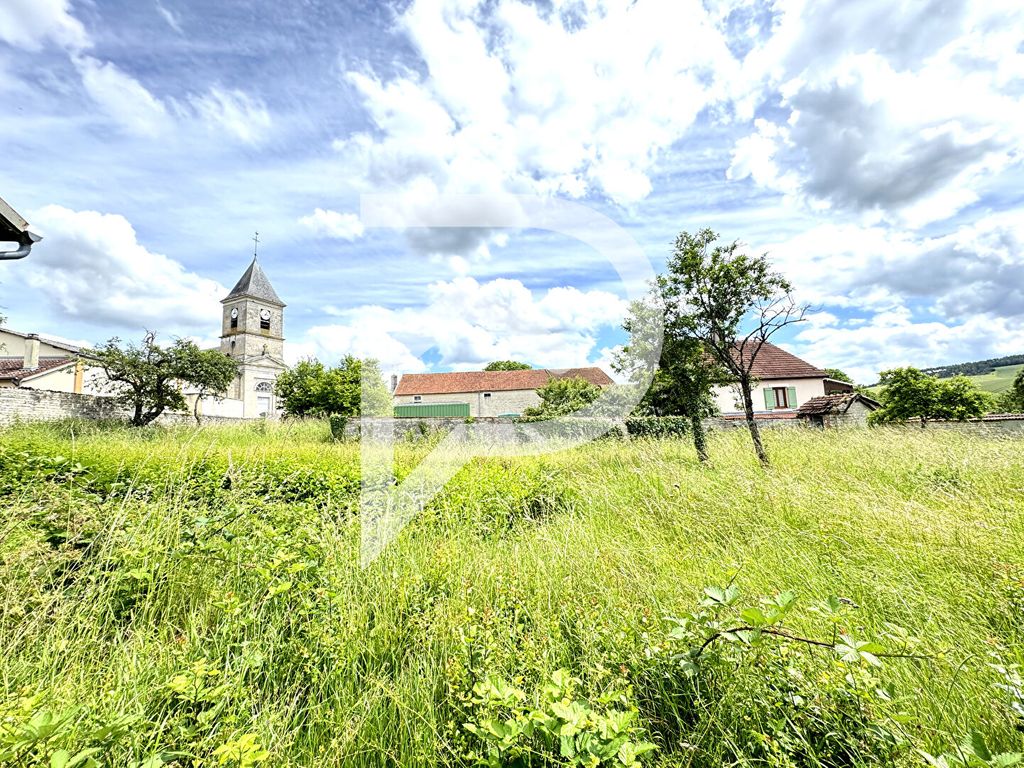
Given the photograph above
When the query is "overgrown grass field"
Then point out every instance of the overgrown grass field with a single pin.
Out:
(187, 596)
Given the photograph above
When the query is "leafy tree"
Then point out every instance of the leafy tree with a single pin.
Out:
(958, 399)
(312, 389)
(686, 373)
(731, 303)
(507, 365)
(910, 394)
(907, 394)
(560, 397)
(148, 377)
(210, 373)
(1012, 400)
(838, 375)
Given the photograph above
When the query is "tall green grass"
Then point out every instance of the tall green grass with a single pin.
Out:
(191, 587)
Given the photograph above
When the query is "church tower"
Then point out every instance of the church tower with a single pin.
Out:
(252, 332)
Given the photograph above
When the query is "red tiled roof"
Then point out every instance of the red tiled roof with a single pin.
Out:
(493, 381)
(13, 368)
(775, 363)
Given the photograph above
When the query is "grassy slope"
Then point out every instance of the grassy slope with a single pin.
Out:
(999, 380)
(108, 595)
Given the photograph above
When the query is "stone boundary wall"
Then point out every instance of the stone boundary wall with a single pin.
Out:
(717, 422)
(420, 426)
(415, 427)
(1011, 425)
(21, 405)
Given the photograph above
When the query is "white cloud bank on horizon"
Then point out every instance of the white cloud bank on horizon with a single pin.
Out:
(467, 323)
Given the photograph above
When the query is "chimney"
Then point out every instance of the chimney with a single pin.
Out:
(394, 382)
(31, 352)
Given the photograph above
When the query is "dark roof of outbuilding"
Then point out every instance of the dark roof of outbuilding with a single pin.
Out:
(255, 284)
(493, 381)
(837, 403)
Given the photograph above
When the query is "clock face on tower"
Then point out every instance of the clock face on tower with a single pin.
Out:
(264, 314)
(234, 313)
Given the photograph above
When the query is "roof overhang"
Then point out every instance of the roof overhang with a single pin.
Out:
(14, 228)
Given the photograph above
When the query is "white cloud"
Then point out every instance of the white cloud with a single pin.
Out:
(123, 98)
(91, 268)
(978, 269)
(892, 340)
(29, 24)
(897, 114)
(468, 323)
(233, 111)
(328, 223)
(137, 111)
(170, 17)
(522, 100)
(916, 300)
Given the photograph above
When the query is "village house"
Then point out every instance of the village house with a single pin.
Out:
(481, 393)
(30, 361)
(784, 383)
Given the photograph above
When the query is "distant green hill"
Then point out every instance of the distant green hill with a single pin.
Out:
(999, 380)
(977, 368)
(995, 375)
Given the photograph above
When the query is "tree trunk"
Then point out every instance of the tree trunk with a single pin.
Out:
(195, 409)
(755, 433)
(137, 418)
(700, 438)
(151, 415)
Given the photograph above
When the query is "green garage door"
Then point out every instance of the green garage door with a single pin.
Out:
(432, 410)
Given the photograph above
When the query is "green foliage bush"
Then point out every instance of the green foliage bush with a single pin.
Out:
(658, 426)
(338, 422)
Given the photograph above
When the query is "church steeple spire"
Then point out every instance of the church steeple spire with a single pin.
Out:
(254, 284)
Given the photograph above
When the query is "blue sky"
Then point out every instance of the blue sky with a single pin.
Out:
(872, 149)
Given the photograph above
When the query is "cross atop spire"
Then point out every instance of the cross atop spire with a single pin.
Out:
(255, 244)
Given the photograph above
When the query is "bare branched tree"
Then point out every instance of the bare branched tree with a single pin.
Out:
(733, 303)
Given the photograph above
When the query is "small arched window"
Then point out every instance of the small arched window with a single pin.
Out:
(264, 386)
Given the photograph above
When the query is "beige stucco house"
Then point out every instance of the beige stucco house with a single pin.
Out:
(485, 393)
(32, 361)
(784, 383)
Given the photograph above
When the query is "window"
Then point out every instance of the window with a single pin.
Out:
(487, 394)
(234, 321)
(264, 324)
(264, 386)
(416, 398)
(782, 398)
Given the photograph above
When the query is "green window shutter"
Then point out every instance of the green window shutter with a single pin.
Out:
(791, 396)
(769, 399)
